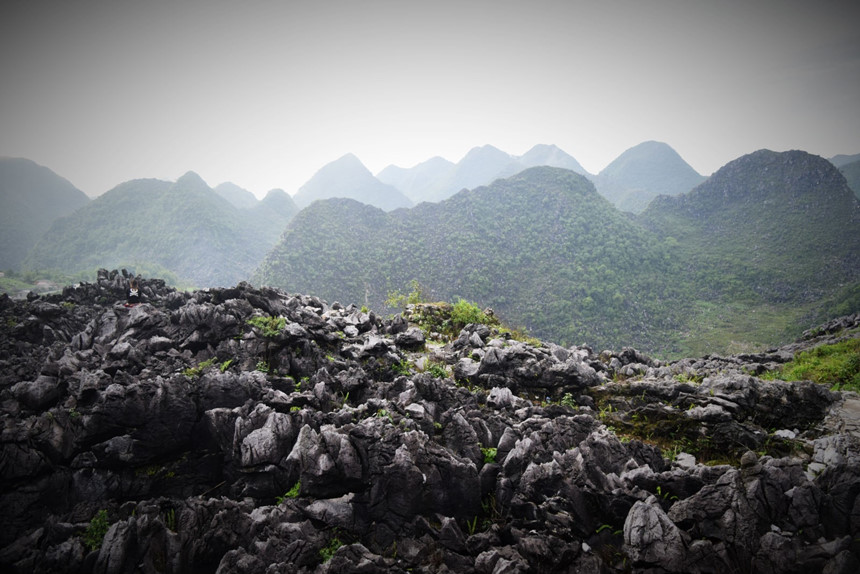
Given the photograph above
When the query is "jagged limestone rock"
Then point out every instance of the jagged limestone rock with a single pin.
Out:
(193, 429)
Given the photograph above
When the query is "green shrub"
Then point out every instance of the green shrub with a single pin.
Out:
(489, 454)
(438, 370)
(568, 401)
(328, 551)
(291, 493)
(404, 367)
(96, 531)
(192, 372)
(397, 299)
(269, 327)
(465, 312)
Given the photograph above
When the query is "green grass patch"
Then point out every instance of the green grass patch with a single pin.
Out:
(269, 327)
(193, 372)
(437, 369)
(291, 493)
(836, 365)
(732, 327)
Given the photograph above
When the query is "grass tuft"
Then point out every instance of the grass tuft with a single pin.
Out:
(836, 365)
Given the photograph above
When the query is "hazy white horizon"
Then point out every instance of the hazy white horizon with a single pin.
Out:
(264, 93)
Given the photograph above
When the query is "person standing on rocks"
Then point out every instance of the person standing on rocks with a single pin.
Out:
(133, 294)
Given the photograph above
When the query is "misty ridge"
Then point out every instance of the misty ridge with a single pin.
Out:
(647, 252)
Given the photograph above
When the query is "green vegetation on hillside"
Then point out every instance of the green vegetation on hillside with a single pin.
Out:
(836, 365)
(183, 226)
(767, 246)
(770, 245)
(542, 248)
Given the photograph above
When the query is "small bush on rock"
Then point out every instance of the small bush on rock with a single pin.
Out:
(397, 299)
(328, 551)
(489, 455)
(291, 493)
(193, 372)
(466, 312)
(96, 531)
(269, 327)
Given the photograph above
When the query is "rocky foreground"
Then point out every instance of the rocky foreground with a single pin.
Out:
(248, 430)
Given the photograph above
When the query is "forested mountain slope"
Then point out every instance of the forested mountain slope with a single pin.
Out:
(31, 198)
(184, 227)
(745, 260)
(769, 232)
(542, 248)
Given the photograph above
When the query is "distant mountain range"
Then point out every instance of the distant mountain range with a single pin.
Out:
(418, 182)
(348, 178)
(239, 197)
(767, 245)
(438, 179)
(31, 202)
(185, 227)
(630, 182)
(642, 173)
(31, 198)
(843, 160)
(851, 171)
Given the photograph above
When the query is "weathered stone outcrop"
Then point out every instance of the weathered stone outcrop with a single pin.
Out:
(250, 430)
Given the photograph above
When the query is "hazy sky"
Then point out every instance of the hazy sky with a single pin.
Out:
(263, 94)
